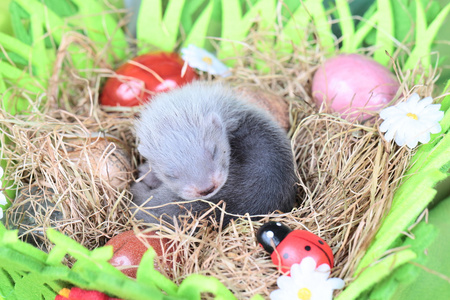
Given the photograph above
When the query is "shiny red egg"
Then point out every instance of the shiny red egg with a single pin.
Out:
(129, 249)
(287, 247)
(144, 76)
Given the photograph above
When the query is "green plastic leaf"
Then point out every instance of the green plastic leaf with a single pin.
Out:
(101, 27)
(407, 208)
(19, 18)
(322, 25)
(375, 273)
(39, 57)
(385, 32)
(429, 166)
(424, 36)
(63, 8)
(192, 287)
(11, 102)
(403, 20)
(445, 104)
(346, 23)
(15, 45)
(156, 30)
(147, 274)
(428, 157)
(236, 26)
(52, 20)
(422, 236)
(294, 29)
(57, 27)
(171, 20)
(287, 9)
(15, 59)
(188, 15)
(198, 33)
(366, 26)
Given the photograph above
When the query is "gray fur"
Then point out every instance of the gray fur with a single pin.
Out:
(202, 141)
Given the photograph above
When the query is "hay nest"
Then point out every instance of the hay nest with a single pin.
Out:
(347, 174)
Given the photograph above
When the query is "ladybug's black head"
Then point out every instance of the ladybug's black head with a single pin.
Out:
(271, 234)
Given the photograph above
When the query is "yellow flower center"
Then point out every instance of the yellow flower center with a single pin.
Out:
(207, 60)
(304, 294)
(412, 116)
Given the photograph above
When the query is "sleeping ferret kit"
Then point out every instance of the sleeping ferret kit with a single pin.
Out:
(359, 99)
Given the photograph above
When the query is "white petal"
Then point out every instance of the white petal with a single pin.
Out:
(425, 101)
(394, 129)
(279, 295)
(1, 213)
(3, 200)
(410, 138)
(218, 68)
(296, 272)
(413, 99)
(399, 137)
(323, 268)
(389, 112)
(389, 135)
(285, 282)
(412, 143)
(428, 122)
(404, 107)
(384, 126)
(422, 104)
(335, 283)
(430, 110)
(320, 276)
(411, 135)
(308, 265)
(322, 293)
(436, 128)
(424, 138)
(388, 123)
(435, 116)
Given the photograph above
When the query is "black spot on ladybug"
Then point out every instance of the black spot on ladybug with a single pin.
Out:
(285, 255)
(321, 242)
(307, 248)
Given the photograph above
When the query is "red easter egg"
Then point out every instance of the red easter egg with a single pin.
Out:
(144, 76)
(129, 249)
(352, 83)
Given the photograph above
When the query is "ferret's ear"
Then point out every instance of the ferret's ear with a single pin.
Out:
(216, 121)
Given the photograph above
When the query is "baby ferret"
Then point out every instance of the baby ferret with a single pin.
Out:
(202, 141)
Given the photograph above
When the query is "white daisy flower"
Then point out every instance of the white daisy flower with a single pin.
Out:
(307, 283)
(412, 121)
(201, 59)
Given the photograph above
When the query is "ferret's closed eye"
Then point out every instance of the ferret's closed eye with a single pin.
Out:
(171, 176)
(214, 153)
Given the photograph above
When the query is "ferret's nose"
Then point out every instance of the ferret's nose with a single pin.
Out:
(207, 191)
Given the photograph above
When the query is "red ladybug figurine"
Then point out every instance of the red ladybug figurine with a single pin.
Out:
(287, 247)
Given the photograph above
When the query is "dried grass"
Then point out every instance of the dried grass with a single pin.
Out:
(347, 174)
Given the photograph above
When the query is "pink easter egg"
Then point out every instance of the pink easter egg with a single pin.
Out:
(351, 84)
